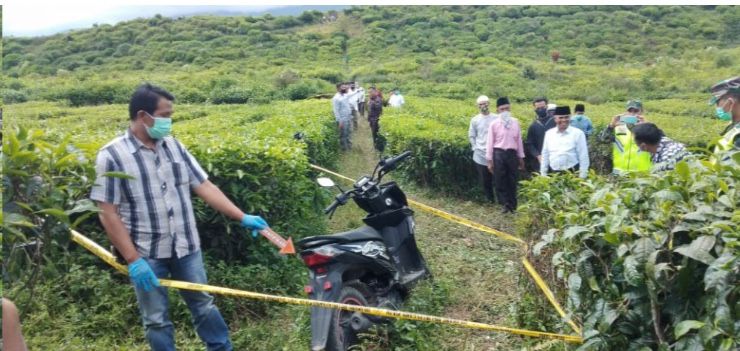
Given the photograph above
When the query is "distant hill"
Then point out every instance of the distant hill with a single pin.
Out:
(592, 53)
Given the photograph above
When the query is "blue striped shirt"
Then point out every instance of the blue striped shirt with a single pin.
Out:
(155, 204)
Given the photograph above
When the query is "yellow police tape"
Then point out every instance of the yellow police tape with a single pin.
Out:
(548, 293)
(110, 259)
(466, 222)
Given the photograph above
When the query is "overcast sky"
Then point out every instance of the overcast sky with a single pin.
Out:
(21, 19)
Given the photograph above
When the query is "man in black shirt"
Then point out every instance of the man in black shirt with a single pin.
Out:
(536, 134)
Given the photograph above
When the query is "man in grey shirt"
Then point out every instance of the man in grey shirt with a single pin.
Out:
(343, 116)
(477, 134)
(149, 217)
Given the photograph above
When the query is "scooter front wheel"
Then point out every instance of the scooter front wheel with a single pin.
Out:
(344, 326)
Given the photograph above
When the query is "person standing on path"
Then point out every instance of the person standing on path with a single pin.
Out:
(343, 116)
(581, 121)
(536, 133)
(505, 154)
(375, 109)
(478, 137)
(353, 98)
(360, 99)
(149, 217)
(564, 148)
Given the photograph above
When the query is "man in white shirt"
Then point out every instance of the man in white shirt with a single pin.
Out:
(343, 115)
(564, 148)
(360, 99)
(477, 134)
(396, 99)
(353, 99)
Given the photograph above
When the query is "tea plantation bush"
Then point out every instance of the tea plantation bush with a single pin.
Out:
(645, 262)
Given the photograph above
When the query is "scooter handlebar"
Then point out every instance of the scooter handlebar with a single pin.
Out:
(390, 163)
(331, 207)
(340, 199)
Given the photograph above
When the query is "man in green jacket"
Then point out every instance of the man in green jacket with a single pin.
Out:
(627, 156)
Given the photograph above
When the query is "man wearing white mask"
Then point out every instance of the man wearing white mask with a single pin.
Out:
(477, 134)
(505, 154)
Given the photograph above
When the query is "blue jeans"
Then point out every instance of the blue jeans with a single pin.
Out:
(154, 304)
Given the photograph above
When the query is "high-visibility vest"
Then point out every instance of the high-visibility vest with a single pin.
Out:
(727, 141)
(626, 155)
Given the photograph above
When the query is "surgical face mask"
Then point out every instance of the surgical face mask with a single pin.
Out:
(629, 119)
(161, 128)
(722, 114)
(541, 112)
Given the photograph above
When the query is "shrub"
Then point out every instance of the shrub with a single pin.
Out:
(93, 93)
(45, 188)
(300, 90)
(645, 262)
(238, 95)
(12, 96)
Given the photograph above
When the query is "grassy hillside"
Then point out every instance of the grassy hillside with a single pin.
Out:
(604, 54)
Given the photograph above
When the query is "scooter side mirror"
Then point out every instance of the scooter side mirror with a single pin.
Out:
(325, 182)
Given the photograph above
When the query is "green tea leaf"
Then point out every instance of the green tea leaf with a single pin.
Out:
(699, 249)
(570, 232)
(684, 326)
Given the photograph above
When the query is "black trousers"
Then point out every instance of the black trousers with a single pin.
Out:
(485, 178)
(506, 174)
(361, 108)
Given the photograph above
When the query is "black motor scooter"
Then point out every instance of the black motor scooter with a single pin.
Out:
(374, 265)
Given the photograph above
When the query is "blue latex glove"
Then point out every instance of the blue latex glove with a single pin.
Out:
(254, 223)
(142, 275)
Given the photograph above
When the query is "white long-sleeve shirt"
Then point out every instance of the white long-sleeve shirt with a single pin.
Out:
(353, 97)
(396, 100)
(477, 134)
(341, 107)
(564, 150)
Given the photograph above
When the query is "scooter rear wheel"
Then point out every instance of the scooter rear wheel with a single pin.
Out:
(341, 333)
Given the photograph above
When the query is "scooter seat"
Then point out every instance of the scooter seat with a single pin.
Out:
(364, 233)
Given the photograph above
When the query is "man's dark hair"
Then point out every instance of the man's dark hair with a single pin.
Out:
(146, 97)
(580, 108)
(647, 133)
(538, 99)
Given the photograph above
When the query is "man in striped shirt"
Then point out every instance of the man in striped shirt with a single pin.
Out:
(149, 217)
